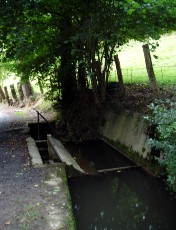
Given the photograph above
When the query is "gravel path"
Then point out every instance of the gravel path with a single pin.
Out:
(30, 198)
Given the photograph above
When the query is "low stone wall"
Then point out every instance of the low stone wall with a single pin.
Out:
(127, 128)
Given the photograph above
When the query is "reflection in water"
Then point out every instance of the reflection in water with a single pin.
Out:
(98, 154)
(128, 200)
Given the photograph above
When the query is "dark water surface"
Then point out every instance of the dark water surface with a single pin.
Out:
(126, 200)
(99, 153)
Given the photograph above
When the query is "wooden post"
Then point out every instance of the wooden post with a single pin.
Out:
(20, 91)
(13, 92)
(2, 95)
(150, 71)
(119, 74)
(7, 95)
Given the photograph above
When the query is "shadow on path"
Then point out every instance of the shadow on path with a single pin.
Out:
(30, 198)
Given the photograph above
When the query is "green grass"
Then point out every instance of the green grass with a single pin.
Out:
(133, 63)
(20, 113)
(30, 219)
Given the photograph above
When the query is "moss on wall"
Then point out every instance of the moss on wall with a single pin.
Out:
(150, 165)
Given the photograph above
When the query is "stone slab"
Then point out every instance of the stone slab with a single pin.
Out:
(63, 154)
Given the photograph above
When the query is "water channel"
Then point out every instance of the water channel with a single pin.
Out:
(127, 199)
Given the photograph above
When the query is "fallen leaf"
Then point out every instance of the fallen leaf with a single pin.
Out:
(7, 222)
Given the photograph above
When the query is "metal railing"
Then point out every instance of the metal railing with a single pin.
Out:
(38, 123)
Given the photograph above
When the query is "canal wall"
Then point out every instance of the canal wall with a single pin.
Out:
(126, 127)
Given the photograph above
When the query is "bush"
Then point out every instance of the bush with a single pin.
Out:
(163, 118)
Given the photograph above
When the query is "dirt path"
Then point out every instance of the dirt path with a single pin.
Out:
(30, 198)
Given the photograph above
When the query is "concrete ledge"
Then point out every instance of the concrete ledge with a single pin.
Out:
(128, 128)
(34, 153)
(12, 129)
(55, 147)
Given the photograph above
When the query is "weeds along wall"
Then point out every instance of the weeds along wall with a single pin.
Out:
(127, 128)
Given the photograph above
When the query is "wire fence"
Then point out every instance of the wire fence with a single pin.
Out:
(164, 75)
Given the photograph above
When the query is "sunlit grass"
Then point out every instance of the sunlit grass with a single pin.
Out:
(133, 63)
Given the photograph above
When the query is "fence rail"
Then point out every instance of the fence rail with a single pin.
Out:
(164, 75)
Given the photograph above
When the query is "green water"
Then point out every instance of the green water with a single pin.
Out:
(126, 200)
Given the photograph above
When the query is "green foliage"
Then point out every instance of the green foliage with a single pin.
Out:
(38, 34)
(163, 118)
(70, 45)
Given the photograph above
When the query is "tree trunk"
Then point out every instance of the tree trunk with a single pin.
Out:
(27, 89)
(82, 83)
(101, 82)
(95, 82)
(40, 86)
(95, 89)
(119, 74)
(150, 70)
(67, 66)
(7, 95)
(13, 92)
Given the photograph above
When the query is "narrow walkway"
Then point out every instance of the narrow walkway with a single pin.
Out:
(30, 198)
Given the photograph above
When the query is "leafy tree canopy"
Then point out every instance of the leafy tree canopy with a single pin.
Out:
(77, 39)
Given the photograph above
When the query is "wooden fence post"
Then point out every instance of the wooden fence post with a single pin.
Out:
(2, 95)
(150, 71)
(13, 92)
(6, 95)
(20, 91)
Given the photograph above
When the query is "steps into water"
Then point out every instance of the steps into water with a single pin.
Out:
(51, 151)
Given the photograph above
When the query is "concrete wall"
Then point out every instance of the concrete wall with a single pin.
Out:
(128, 128)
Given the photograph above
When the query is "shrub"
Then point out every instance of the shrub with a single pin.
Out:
(163, 118)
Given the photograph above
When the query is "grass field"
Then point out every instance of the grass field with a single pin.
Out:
(133, 63)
